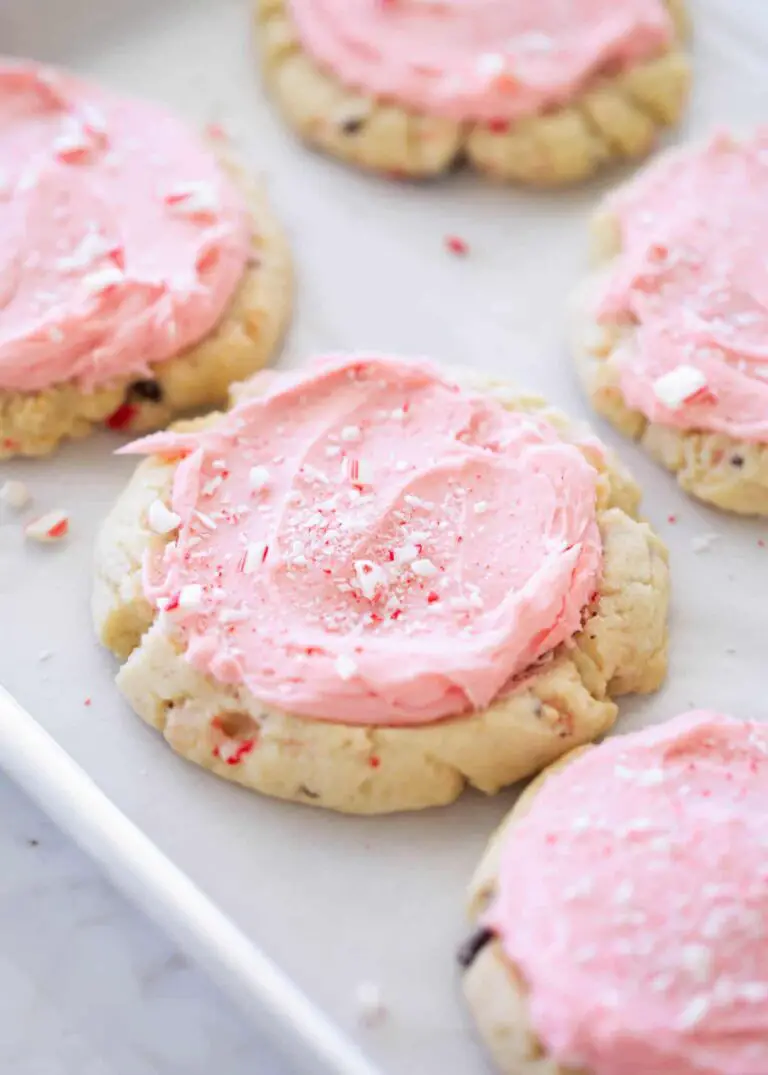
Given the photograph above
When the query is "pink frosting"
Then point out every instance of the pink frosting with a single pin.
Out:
(634, 899)
(693, 275)
(374, 544)
(478, 59)
(121, 242)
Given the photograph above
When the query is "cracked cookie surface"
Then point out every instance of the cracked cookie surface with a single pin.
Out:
(612, 117)
(564, 700)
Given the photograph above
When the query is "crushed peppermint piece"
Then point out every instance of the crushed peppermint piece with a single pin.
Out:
(193, 199)
(480, 507)
(161, 519)
(15, 495)
(679, 385)
(346, 666)
(259, 478)
(693, 1013)
(370, 577)
(704, 542)
(52, 526)
(369, 1003)
(351, 433)
(96, 283)
(191, 596)
(423, 568)
(254, 555)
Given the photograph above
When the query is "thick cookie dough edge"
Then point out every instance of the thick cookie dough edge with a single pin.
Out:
(614, 117)
(701, 461)
(244, 340)
(566, 703)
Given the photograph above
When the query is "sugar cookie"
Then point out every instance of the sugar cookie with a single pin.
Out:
(368, 585)
(538, 91)
(622, 910)
(137, 279)
(669, 331)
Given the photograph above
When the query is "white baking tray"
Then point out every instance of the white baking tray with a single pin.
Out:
(333, 901)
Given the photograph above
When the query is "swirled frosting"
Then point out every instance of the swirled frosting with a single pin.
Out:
(478, 59)
(121, 242)
(693, 278)
(633, 897)
(367, 542)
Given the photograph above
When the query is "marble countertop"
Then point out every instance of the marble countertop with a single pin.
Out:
(88, 986)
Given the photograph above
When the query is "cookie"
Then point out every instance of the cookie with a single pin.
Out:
(622, 907)
(369, 585)
(539, 92)
(669, 330)
(139, 276)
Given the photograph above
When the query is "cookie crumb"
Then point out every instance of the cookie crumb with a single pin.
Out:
(52, 526)
(369, 1003)
(15, 495)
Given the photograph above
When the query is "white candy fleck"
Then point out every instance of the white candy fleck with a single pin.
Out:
(423, 568)
(191, 596)
(369, 1003)
(254, 555)
(480, 507)
(258, 478)
(15, 495)
(96, 283)
(677, 386)
(697, 959)
(693, 1013)
(346, 666)
(351, 433)
(161, 519)
(703, 542)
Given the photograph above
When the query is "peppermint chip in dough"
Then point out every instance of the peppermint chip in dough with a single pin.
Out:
(538, 91)
(669, 331)
(621, 910)
(370, 584)
(140, 275)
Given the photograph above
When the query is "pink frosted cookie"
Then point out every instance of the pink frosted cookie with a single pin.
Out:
(136, 278)
(540, 91)
(623, 909)
(367, 585)
(670, 330)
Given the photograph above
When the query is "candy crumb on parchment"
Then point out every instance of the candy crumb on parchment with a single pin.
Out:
(369, 1004)
(53, 526)
(14, 494)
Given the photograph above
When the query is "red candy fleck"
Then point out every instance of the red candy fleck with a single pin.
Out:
(432, 597)
(215, 130)
(122, 417)
(374, 761)
(498, 126)
(59, 529)
(456, 245)
(87, 701)
(237, 755)
(672, 519)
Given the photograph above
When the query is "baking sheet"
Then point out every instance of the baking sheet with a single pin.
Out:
(332, 900)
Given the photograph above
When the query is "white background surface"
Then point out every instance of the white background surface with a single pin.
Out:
(87, 985)
(336, 900)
